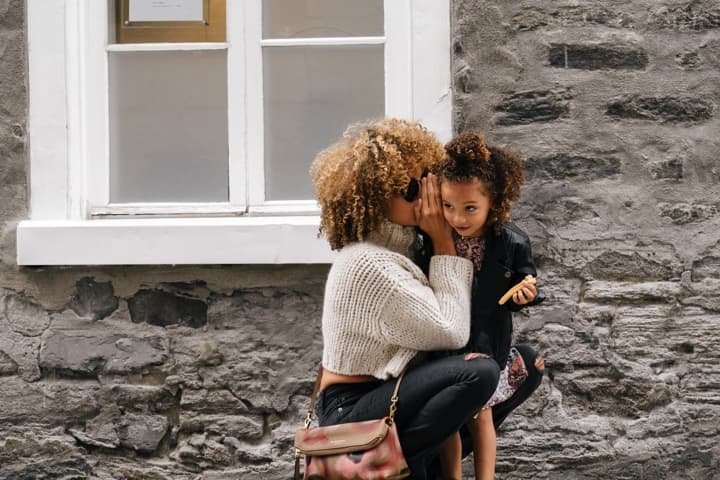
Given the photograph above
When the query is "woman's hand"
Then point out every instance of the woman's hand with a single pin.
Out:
(526, 294)
(429, 213)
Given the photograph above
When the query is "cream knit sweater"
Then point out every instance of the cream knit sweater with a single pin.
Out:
(380, 309)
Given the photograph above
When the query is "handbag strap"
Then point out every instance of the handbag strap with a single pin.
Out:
(313, 398)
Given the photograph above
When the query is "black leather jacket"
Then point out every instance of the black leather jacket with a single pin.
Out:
(507, 260)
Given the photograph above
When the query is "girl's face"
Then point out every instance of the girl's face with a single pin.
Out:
(466, 206)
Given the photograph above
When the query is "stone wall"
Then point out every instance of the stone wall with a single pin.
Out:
(150, 373)
(203, 372)
(614, 105)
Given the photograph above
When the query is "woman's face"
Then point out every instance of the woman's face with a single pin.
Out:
(402, 211)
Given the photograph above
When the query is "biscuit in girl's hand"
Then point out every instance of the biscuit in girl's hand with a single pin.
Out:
(515, 289)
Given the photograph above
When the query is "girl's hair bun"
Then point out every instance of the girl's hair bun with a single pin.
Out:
(468, 146)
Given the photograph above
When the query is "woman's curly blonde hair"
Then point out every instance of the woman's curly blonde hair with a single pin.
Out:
(355, 178)
(499, 169)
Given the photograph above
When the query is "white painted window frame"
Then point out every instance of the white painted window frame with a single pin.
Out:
(72, 222)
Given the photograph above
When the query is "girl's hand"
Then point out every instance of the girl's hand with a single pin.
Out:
(429, 213)
(526, 294)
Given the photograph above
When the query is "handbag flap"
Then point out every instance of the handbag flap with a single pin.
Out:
(342, 438)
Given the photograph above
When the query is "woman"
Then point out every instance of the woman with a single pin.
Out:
(380, 310)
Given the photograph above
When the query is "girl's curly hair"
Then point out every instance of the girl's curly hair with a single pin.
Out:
(355, 178)
(499, 169)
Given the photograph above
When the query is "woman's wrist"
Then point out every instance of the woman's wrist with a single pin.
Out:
(444, 248)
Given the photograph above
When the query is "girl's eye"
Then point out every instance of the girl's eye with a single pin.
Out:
(470, 209)
(445, 205)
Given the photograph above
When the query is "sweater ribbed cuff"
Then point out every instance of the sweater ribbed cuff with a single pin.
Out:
(446, 267)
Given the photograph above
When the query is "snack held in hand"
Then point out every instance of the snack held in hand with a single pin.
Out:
(516, 289)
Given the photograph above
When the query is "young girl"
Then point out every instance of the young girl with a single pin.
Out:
(477, 184)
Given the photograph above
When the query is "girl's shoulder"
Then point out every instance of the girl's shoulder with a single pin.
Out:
(512, 234)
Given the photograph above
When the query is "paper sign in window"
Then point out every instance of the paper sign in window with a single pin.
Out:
(174, 21)
(166, 11)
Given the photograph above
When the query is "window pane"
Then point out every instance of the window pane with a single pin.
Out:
(322, 18)
(311, 95)
(168, 127)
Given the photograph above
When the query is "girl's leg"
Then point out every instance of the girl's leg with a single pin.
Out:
(451, 458)
(435, 400)
(536, 368)
(482, 432)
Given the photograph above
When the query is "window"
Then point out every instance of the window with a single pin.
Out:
(198, 151)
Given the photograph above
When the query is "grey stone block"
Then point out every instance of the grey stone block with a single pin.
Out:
(102, 430)
(534, 106)
(86, 349)
(661, 109)
(25, 316)
(242, 427)
(697, 15)
(619, 266)
(161, 308)
(211, 401)
(706, 268)
(7, 364)
(671, 169)
(142, 432)
(94, 299)
(689, 60)
(596, 57)
(75, 468)
(684, 213)
(532, 18)
(60, 402)
(564, 166)
(629, 292)
(143, 398)
(201, 452)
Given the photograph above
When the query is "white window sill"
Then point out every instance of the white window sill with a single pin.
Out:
(241, 240)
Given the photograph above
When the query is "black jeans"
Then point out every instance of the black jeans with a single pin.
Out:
(436, 398)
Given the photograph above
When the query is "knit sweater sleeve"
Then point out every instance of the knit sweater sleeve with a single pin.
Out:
(432, 313)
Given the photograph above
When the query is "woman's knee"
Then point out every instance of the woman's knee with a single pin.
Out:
(483, 375)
